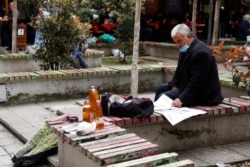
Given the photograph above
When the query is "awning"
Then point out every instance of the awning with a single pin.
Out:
(245, 2)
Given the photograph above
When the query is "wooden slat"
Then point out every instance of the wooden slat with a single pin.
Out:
(228, 108)
(182, 163)
(104, 142)
(210, 110)
(108, 119)
(136, 120)
(118, 121)
(145, 120)
(159, 117)
(240, 101)
(222, 110)
(116, 146)
(127, 120)
(245, 97)
(69, 73)
(153, 160)
(108, 131)
(153, 118)
(126, 153)
(240, 107)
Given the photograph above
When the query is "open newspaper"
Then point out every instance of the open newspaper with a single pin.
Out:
(173, 114)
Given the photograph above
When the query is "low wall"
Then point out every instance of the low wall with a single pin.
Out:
(26, 62)
(165, 50)
(195, 133)
(35, 86)
(170, 51)
(54, 85)
(18, 63)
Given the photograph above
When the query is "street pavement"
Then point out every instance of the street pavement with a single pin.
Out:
(8, 146)
(24, 121)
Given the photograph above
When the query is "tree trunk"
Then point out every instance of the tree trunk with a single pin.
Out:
(211, 17)
(14, 28)
(134, 71)
(216, 22)
(194, 17)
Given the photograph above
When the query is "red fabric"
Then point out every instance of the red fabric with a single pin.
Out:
(109, 26)
(154, 25)
(95, 28)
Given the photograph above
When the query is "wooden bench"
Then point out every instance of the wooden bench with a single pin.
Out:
(129, 141)
(222, 124)
(110, 146)
(229, 106)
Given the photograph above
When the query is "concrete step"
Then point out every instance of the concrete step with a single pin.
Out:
(209, 156)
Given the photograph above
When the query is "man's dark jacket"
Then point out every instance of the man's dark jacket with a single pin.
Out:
(243, 31)
(197, 77)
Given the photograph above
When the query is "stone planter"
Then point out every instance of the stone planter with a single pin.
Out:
(93, 57)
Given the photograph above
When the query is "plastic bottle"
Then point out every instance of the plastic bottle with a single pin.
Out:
(99, 116)
(86, 111)
(93, 96)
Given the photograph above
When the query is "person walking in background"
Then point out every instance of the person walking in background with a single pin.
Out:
(145, 31)
(7, 28)
(2, 13)
(196, 80)
(241, 12)
(77, 54)
(244, 28)
(42, 13)
(187, 19)
(232, 23)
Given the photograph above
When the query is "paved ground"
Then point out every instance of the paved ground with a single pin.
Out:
(24, 121)
(8, 146)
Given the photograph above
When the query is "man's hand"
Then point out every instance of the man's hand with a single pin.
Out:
(174, 88)
(177, 103)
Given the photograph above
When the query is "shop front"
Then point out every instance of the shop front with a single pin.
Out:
(178, 11)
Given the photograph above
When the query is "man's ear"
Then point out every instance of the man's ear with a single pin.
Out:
(190, 36)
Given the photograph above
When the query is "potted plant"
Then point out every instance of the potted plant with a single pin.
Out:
(233, 58)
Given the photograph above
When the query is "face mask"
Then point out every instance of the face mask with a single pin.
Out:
(184, 48)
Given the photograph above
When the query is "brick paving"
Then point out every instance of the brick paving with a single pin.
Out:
(8, 145)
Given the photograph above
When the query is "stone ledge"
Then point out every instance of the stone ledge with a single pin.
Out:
(74, 73)
(159, 44)
(20, 87)
(15, 56)
(38, 86)
(99, 71)
(26, 62)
